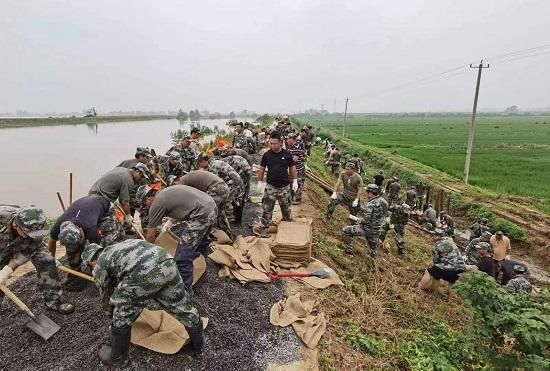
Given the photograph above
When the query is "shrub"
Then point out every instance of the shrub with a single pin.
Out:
(366, 343)
(510, 229)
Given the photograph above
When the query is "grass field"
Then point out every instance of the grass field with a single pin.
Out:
(511, 154)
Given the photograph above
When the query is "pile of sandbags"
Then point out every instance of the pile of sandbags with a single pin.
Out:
(293, 242)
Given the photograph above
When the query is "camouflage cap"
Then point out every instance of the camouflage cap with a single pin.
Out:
(372, 188)
(141, 192)
(222, 152)
(203, 157)
(174, 155)
(69, 233)
(519, 268)
(142, 168)
(484, 220)
(486, 234)
(143, 151)
(88, 254)
(291, 136)
(32, 221)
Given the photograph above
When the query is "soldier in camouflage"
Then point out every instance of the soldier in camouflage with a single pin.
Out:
(448, 264)
(22, 230)
(241, 166)
(242, 140)
(142, 155)
(188, 156)
(399, 218)
(447, 223)
(477, 229)
(411, 198)
(393, 191)
(520, 283)
(471, 252)
(166, 166)
(226, 173)
(134, 275)
(370, 225)
(90, 218)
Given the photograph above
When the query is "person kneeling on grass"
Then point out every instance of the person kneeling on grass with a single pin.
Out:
(133, 275)
(448, 264)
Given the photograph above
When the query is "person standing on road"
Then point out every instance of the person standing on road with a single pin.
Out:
(194, 141)
(350, 196)
(370, 225)
(21, 232)
(281, 170)
(133, 275)
(411, 198)
(393, 191)
(334, 160)
(298, 155)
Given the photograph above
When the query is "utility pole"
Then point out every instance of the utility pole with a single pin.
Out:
(345, 118)
(472, 123)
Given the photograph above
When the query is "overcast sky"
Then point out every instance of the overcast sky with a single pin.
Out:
(284, 55)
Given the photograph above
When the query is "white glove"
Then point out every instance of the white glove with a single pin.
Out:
(261, 186)
(128, 220)
(354, 218)
(334, 196)
(507, 257)
(58, 263)
(295, 185)
(355, 203)
(169, 223)
(5, 274)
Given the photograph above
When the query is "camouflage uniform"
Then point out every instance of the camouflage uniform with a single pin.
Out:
(399, 218)
(241, 166)
(230, 177)
(133, 275)
(271, 195)
(472, 250)
(421, 195)
(21, 250)
(411, 199)
(193, 235)
(220, 193)
(341, 199)
(477, 230)
(449, 225)
(242, 141)
(519, 285)
(393, 192)
(446, 255)
(165, 168)
(369, 226)
(188, 157)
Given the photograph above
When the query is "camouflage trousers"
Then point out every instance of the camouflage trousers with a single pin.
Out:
(341, 200)
(192, 234)
(399, 229)
(220, 193)
(159, 289)
(246, 180)
(393, 198)
(420, 203)
(271, 195)
(297, 196)
(355, 230)
(48, 277)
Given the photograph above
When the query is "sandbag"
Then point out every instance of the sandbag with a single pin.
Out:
(293, 240)
(160, 332)
(304, 317)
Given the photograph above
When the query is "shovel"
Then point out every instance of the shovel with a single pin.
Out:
(323, 273)
(84, 276)
(41, 325)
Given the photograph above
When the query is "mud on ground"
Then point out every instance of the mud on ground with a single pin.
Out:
(239, 335)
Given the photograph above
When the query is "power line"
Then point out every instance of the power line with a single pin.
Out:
(494, 58)
(522, 57)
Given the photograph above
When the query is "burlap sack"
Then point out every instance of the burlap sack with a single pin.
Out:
(304, 316)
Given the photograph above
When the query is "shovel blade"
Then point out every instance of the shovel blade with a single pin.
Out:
(323, 273)
(43, 326)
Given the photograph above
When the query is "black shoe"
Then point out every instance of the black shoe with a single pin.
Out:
(116, 354)
(196, 335)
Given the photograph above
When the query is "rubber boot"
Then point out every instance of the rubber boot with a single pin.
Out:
(196, 335)
(116, 354)
(238, 214)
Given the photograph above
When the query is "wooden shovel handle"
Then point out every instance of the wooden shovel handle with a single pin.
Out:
(16, 300)
(76, 273)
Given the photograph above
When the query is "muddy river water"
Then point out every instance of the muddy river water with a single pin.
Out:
(35, 162)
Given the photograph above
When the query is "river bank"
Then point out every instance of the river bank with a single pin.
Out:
(6, 123)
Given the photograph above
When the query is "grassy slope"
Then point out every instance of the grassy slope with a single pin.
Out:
(386, 305)
(55, 121)
(511, 154)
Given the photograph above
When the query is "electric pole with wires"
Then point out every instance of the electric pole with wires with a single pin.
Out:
(345, 119)
(472, 124)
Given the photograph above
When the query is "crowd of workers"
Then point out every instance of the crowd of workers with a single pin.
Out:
(190, 192)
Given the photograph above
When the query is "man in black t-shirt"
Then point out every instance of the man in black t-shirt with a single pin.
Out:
(281, 169)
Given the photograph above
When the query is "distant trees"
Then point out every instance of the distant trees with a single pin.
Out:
(182, 115)
(194, 115)
(512, 110)
(232, 115)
